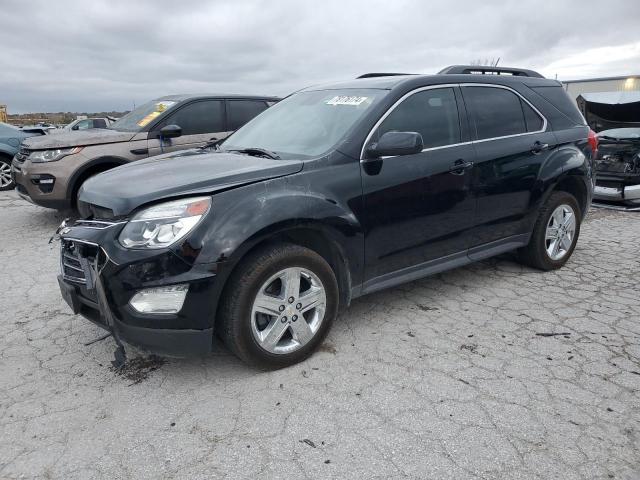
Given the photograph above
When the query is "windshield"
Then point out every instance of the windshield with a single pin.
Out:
(141, 116)
(621, 133)
(306, 124)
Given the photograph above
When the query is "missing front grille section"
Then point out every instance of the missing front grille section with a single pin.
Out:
(77, 260)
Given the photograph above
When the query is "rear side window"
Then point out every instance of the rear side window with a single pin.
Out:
(559, 98)
(240, 112)
(206, 116)
(431, 113)
(99, 123)
(495, 112)
(532, 119)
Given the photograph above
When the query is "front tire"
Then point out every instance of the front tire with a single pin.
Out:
(6, 182)
(555, 233)
(278, 306)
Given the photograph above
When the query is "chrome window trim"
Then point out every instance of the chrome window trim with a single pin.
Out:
(545, 123)
(398, 102)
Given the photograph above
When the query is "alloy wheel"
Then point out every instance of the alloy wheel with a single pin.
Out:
(5, 175)
(288, 310)
(561, 230)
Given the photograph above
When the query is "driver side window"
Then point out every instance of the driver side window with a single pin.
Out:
(431, 113)
(83, 124)
(205, 116)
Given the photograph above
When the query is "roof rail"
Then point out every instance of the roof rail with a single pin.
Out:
(372, 75)
(484, 70)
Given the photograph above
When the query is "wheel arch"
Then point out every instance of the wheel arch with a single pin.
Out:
(97, 165)
(316, 236)
(567, 170)
(574, 185)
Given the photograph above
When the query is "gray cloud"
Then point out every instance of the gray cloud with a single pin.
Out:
(103, 55)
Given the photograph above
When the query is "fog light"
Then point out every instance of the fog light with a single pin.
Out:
(44, 182)
(160, 300)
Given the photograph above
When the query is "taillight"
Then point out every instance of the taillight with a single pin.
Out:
(593, 142)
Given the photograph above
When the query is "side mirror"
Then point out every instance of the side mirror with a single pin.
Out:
(393, 144)
(170, 131)
(75, 127)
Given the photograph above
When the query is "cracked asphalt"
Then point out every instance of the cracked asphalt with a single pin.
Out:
(442, 378)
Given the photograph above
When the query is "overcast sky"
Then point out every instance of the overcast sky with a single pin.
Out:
(95, 55)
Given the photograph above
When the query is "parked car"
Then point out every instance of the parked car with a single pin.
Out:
(618, 166)
(50, 170)
(10, 138)
(38, 129)
(86, 124)
(335, 192)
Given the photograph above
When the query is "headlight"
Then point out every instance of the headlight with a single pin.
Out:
(164, 224)
(52, 155)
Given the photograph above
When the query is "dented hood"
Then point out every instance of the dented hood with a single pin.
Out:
(94, 136)
(125, 188)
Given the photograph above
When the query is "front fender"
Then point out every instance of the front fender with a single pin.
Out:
(246, 216)
(243, 217)
(96, 162)
(8, 150)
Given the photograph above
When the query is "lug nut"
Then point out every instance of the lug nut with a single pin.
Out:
(291, 299)
(281, 308)
(299, 306)
(283, 319)
(294, 318)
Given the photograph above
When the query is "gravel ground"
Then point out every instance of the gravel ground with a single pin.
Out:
(446, 377)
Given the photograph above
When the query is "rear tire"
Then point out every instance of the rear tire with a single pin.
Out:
(555, 233)
(278, 306)
(6, 182)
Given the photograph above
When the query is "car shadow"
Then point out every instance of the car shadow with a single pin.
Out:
(223, 365)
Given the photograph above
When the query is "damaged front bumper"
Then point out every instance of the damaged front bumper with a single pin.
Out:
(612, 189)
(618, 171)
(99, 278)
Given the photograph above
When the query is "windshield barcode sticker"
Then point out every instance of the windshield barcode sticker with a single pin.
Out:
(346, 100)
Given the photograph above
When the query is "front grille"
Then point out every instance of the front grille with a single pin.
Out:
(75, 257)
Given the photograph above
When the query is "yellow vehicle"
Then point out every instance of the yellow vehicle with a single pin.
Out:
(3, 113)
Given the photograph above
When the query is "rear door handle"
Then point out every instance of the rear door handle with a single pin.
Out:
(459, 166)
(539, 147)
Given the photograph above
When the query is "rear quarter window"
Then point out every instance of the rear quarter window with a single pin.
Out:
(495, 112)
(559, 98)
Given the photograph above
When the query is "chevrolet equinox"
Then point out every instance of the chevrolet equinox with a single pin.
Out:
(335, 192)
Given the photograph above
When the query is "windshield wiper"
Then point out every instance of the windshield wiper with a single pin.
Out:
(256, 152)
(213, 143)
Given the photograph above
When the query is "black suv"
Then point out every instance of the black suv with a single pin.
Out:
(335, 192)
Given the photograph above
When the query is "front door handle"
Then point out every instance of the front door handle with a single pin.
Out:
(459, 166)
(539, 147)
